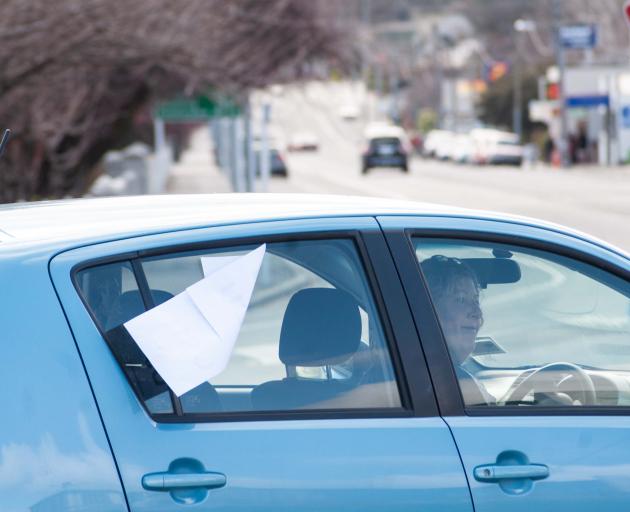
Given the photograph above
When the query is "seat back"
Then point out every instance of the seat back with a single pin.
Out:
(321, 327)
(129, 304)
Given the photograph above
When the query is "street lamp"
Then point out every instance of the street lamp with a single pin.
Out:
(520, 26)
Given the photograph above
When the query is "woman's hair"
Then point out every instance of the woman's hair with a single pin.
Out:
(443, 273)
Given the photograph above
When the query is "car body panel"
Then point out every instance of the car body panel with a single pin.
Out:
(54, 225)
(510, 227)
(587, 457)
(393, 463)
(586, 454)
(54, 454)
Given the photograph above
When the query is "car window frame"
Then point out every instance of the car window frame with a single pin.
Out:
(446, 386)
(374, 258)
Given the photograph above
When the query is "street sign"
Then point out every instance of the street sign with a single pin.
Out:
(186, 109)
(593, 100)
(201, 108)
(581, 36)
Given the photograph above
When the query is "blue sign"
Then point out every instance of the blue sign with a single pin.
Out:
(625, 116)
(587, 101)
(578, 36)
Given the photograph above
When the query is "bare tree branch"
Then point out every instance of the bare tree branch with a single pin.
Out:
(74, 74)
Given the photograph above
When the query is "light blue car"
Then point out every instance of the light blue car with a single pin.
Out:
(377, 356)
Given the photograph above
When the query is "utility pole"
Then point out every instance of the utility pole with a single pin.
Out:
(224, 148)
(563, 142)
(159, 134)
(438, 73)
(366, 17)
(265, 155)
(250, 175)
(517, 96)
(520, 26)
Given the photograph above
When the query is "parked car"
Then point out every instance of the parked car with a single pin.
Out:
(496, 147)
(303, 141)
(278, 166)
(463, 149)
(365, 355)
(386, 146)
(349, 111)
(435, 141)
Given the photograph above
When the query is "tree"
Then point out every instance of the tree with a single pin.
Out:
(75, 73)
(495, 107)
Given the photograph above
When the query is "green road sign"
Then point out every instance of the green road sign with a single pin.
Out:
(200, 108)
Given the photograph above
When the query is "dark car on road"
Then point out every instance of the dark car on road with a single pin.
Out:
(278, 166)
(385, 149)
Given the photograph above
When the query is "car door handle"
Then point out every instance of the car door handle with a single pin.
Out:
(496, 473)
(173, 481)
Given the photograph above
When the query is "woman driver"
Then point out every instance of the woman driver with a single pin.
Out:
(454, 290)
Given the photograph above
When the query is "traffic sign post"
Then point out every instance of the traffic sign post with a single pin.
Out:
(225, 113)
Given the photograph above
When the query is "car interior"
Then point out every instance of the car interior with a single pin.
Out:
(329, 359)
(574, 344)
(327, 364)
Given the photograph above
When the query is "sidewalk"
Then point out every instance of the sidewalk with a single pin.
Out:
(197, 172)
(590, 168)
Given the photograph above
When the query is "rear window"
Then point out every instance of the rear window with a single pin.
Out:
(385, 141)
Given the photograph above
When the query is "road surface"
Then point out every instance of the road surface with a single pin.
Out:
(593, 200)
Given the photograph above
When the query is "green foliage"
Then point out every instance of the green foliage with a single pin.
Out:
(427, 120)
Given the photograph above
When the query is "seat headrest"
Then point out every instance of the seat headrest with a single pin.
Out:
(130, 304)
(321, 326)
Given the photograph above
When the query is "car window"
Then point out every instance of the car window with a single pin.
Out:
(528, 327)
(311, 337)
(112, 293)
(385, 141)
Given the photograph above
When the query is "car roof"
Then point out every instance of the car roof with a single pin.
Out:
(71, 220)
(383, 130)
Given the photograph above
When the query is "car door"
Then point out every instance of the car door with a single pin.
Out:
(324, 425)
(546, 425)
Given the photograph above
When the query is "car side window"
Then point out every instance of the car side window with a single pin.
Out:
(311, 337)
(529, 328)
(112, 292)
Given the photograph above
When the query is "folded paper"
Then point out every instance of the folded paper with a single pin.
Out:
(189, 339)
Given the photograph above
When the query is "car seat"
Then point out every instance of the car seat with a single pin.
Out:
(321, 327)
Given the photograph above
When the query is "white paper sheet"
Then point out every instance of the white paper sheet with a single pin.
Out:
(189, 339)
(210, 264)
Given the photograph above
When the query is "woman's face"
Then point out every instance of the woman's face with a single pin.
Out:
(461, 317)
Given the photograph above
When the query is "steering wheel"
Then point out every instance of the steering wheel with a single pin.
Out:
(550, 379)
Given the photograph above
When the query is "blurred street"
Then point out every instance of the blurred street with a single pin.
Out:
(590, 199)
